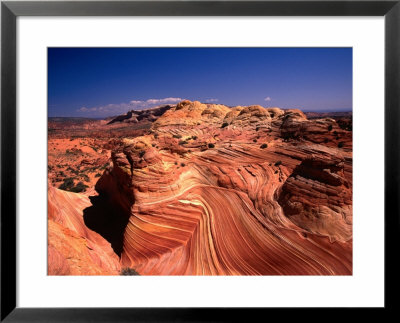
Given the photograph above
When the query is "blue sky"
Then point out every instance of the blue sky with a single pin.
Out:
(101, 82)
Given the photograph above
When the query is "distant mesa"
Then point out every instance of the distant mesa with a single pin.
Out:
(135, 116)
(318, 115)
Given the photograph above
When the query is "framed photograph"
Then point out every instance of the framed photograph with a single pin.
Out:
(187, 160)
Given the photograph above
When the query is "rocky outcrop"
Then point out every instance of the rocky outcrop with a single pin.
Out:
(242, 191)
(136, 116)
(318, 198)
(187, 113)
(74, 249)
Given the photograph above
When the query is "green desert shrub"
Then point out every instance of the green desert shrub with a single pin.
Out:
(80, 187)
(340, 144)
(74, 171)
(263, 146)
(85, 177)
(225, 124)
(278, 163)
(67, 184)
(129, 272)
(210, 145)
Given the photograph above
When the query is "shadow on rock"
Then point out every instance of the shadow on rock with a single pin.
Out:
(108, 220)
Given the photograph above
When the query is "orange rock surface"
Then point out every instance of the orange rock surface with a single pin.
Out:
(74, 249)
(220, 191)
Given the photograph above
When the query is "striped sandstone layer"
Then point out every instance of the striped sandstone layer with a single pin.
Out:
(74, 249)
(230, 191)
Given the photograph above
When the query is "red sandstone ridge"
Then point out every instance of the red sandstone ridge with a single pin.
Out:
(230, 191)
(74, 249)
(191, 114)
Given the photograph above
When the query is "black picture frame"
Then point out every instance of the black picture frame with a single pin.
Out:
(10, 10)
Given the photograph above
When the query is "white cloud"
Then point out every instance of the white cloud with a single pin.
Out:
(211, 100)
(84, 109)
(114, 109)
(267, 99)
(163, 101)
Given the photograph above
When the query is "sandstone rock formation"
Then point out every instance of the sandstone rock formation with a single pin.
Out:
(220, 191)
(74, 249)
(136, 116)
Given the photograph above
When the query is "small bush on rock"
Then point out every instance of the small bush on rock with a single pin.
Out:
(80, 187)
(129, 272)
(67, 185)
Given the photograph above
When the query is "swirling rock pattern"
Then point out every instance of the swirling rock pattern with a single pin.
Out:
(234, 191)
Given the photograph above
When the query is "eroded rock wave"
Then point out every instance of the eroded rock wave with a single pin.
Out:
(74, 249)
(241, 191)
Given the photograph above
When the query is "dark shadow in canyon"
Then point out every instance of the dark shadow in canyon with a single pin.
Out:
(108, 220)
